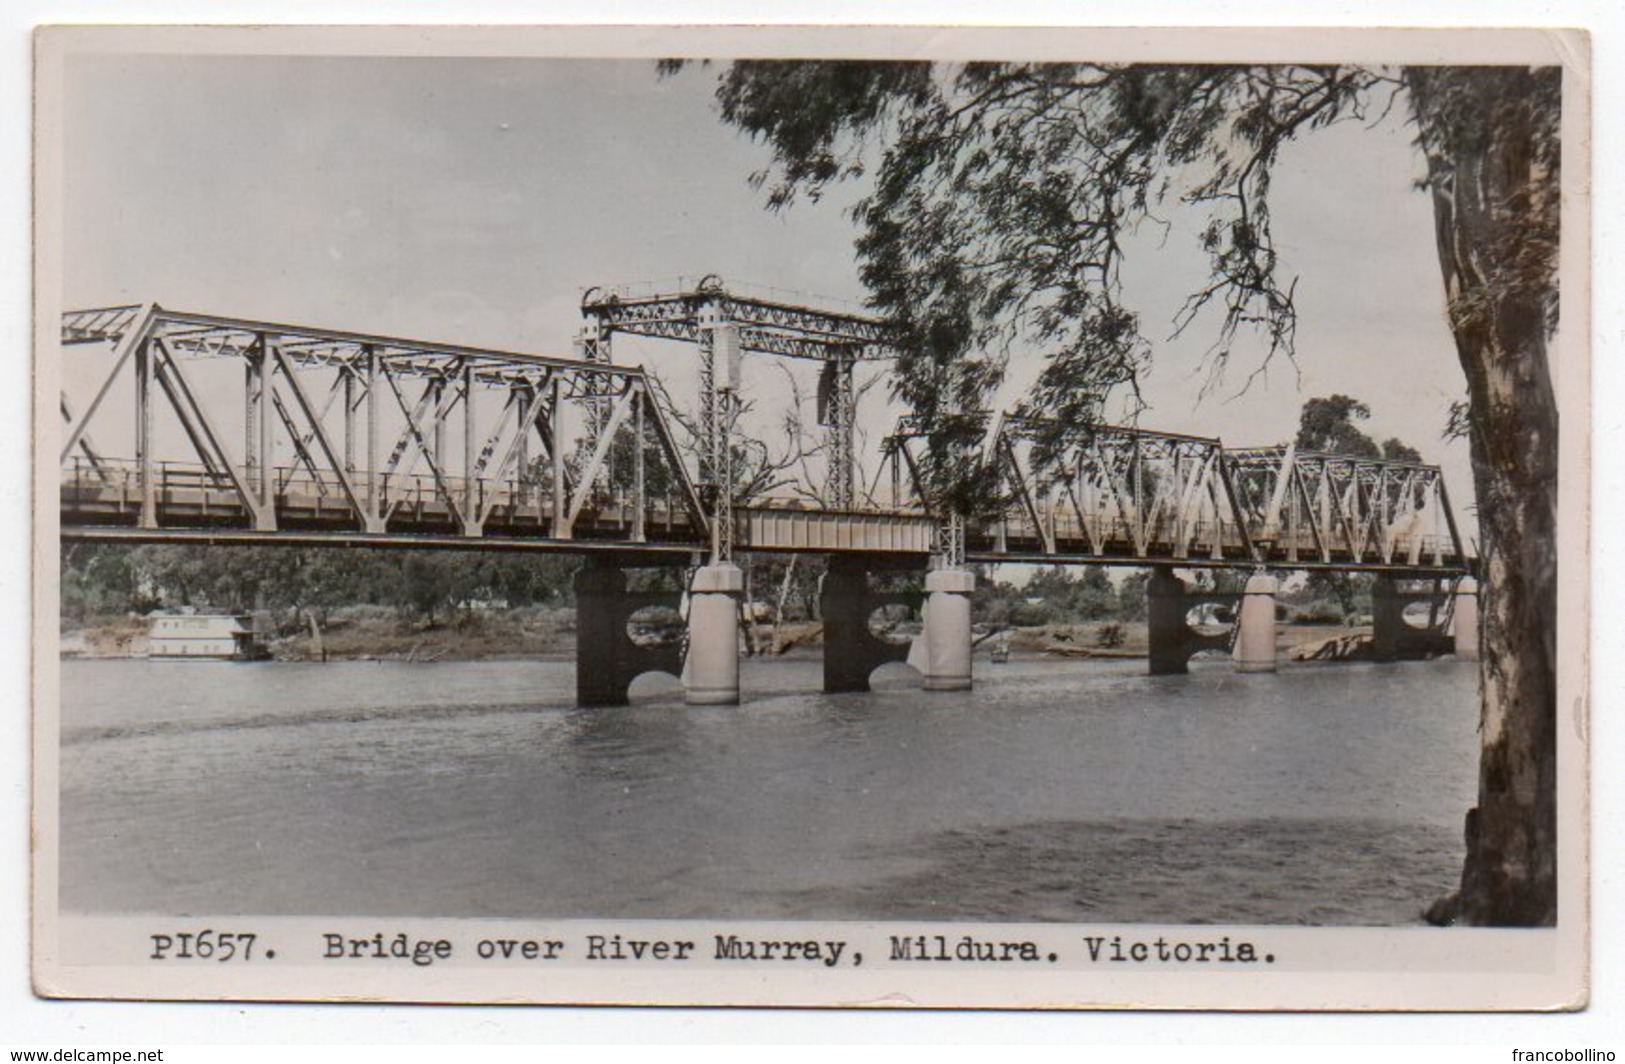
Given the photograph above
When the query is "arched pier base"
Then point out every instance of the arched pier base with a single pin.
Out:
(1172, 640)
(1395, 639)
(607, 658)
(845, 601)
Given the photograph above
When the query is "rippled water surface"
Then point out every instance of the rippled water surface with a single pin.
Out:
(1075, 791)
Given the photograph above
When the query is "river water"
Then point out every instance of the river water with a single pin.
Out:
(1057, 790)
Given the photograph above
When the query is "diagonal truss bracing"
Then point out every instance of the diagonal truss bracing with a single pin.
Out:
(1132, 494)
(1115, 491)
(240, 424)
(1331, 509)
(229, 427)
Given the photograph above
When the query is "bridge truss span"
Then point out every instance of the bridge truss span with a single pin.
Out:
(1127, 495)
(235, 424)
(1116, 491)
(187, 426)
(1326, 509)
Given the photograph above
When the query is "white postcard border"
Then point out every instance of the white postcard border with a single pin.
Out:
(1393, 973)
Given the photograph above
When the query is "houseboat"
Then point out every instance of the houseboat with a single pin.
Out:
(203, 636)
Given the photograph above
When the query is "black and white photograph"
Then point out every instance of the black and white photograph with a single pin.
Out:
(812, 517)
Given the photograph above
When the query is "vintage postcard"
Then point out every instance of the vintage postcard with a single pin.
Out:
(817, 517)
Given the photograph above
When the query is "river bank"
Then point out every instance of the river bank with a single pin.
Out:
(366, 633)
(370, 633)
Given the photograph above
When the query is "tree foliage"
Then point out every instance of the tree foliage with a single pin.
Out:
(1329, 425)
(1131, 595)
(1053, 595)
(100, 581)
(1003, 195)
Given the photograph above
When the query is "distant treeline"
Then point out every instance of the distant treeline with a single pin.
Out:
(105, 580)
(429, 586)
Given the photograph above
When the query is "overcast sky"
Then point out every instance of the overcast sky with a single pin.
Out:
(471, 200)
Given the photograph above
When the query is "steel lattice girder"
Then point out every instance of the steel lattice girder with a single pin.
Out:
(1163, 492)
(765, 326)
(202, 336)
(1160, 489)
(1175, 495)
(1352, 506)
(366, 376)
(97, 325)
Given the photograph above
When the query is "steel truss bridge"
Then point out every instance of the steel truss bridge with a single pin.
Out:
(181, 426)
(1160, 497)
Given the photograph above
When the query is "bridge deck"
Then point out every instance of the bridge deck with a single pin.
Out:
(191, 506)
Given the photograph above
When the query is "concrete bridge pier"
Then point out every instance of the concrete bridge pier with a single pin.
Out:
(1255, 626)
(607, 659)
(1172, 639)
(711, 673)
(1395, 639)
(1465, 619)
(845, 601)
(947, 635)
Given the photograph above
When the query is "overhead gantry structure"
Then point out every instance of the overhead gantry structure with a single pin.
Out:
(725, 324)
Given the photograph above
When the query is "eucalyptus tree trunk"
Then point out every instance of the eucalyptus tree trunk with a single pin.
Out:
(1492, 173)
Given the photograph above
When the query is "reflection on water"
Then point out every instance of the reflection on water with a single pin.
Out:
(1079, 791)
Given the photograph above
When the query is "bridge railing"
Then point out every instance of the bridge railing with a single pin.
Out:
(188, 494)
(1105, 535)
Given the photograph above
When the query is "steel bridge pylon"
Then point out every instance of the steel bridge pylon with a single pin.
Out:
(726, 324)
